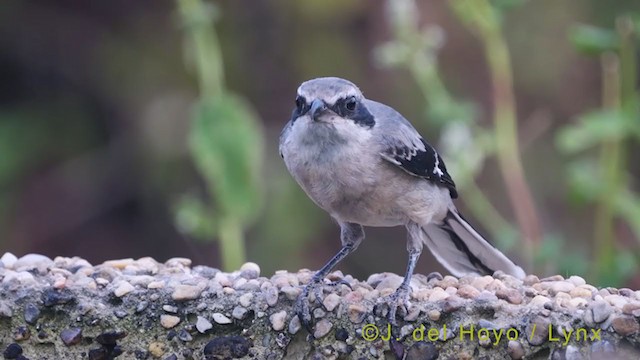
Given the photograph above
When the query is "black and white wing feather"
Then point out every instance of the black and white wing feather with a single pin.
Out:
(422, 160)
(403, 146)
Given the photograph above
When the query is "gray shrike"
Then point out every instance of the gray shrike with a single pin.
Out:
(363, 163)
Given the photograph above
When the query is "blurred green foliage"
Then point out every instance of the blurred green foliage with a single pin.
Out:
(593, 40)
(27, 136)
(467, 145)
(226, 144)
(416, 50)
(602, 178)
(94, 146)
(19, 140)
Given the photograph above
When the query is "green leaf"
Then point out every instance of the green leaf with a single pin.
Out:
(479, 16)
(593, 40)
(628, 206)
(624, 266)
(626, 263)
(549, 249)
(194, 217)
(391, 54)
(226, 143)
(573, 263)
(631, 109)
(505, 5)
(584, 181)
(592, 129)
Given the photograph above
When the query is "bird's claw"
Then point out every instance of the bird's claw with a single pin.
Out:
(399, 299)
(340, 282)
(303, 307)
(302, 311)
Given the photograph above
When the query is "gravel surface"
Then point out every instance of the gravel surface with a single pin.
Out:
(66, 308)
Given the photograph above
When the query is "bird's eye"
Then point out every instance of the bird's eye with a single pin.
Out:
(300, 103)
(350, 103)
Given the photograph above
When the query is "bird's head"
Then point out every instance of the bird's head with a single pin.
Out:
(331, 100)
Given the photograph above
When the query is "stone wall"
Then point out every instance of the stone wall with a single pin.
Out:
(66, 308)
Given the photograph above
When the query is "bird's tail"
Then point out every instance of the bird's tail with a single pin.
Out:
(463, 251)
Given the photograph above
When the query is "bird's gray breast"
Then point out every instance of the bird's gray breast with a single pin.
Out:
(339, 172)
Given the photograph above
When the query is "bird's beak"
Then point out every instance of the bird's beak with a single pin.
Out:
(317, 108)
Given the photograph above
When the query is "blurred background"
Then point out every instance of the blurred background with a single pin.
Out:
(150, 128)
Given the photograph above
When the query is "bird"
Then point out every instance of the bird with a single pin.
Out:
(364, 164)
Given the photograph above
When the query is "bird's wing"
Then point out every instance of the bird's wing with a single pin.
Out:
(404, 147)
(421, 161)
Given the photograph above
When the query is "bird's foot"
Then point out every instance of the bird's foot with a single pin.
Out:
(398, 300)
(335, 284)
(302, 307)
(303, 303)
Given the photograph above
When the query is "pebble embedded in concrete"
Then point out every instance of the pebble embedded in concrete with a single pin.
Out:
(202, 324)
(250, 270)
(294, 325)
(246, 299)
(322, 328)
(468, 292)
(356, 313)
(31, 313)
(221, 319)
(434, 315)
(123, 289)
(278, 320)
(12, 351)
(186, 292)
(271, 295)
(438, 294)
(71, 336)
(239, 313)
(625, 325)
(169, 321)
(539, 301)
(561, 286)
(601, 311)
(512, 296)
(515, 350)
(157, 349)
(33, 262)
(5, 310)
(8, 260)
(539, 330)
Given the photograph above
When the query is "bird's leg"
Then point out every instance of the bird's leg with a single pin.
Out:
(315, 285)
(401, 296)
(351, 235)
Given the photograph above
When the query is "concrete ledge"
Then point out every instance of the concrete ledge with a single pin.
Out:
(66, 308)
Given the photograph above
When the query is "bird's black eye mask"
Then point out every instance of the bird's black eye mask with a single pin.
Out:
(301, 108)
(348, 108)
